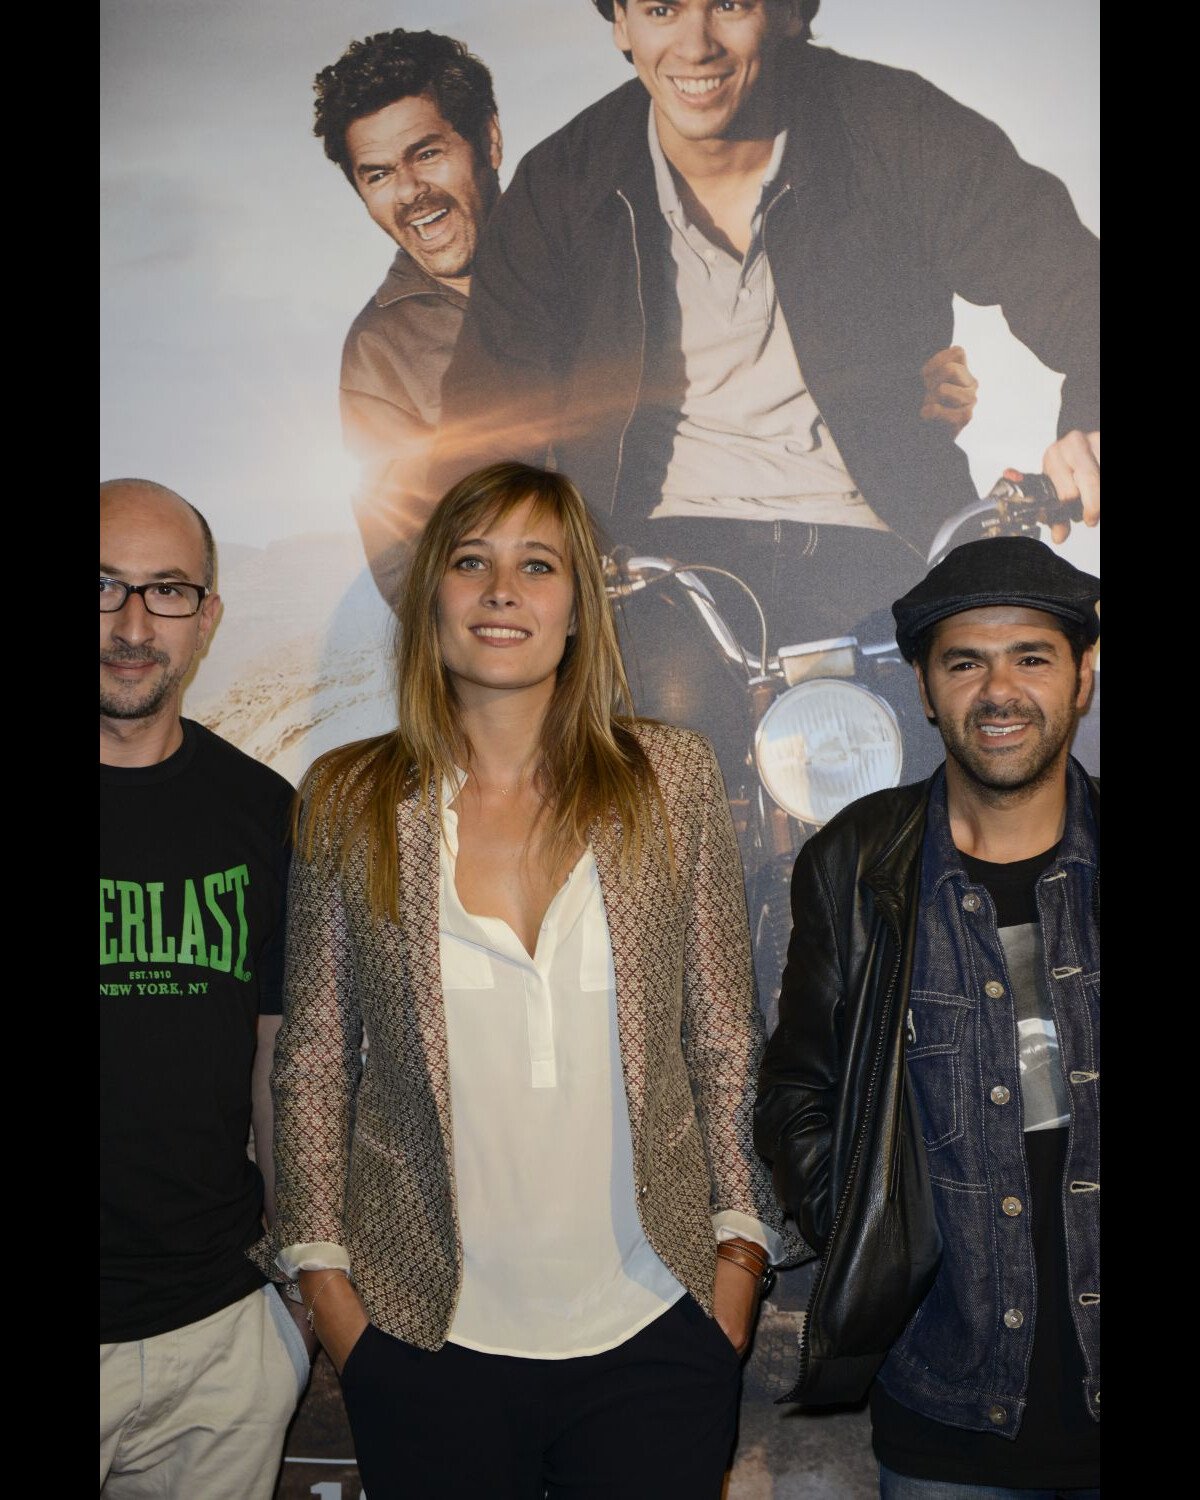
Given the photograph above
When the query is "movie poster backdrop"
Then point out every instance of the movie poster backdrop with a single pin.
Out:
(235, 257)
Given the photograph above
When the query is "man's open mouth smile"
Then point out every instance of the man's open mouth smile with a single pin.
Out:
(425, 224)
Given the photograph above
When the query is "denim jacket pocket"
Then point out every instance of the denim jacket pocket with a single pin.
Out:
(949, 1340)
(934, 1029)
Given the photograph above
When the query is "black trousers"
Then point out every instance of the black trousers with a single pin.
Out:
(653, 1419)
(813, 582)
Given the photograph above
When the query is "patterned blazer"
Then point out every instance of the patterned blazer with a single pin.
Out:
(363, 1152)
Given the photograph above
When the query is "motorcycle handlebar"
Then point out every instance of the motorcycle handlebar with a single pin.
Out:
(1018, 503)
(1015, 491)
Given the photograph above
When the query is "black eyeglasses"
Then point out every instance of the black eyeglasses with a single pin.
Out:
(165, 596)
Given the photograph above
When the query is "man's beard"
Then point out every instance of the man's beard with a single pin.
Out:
(448, 260)
(1029, 767)
(120, 705)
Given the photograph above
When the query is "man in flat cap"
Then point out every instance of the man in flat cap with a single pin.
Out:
(931, 1097)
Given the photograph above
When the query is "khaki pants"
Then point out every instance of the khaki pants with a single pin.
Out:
(201, 1412)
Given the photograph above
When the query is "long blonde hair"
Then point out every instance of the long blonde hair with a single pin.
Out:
(592, 767)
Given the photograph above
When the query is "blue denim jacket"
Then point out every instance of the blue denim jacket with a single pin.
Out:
(958, 1361)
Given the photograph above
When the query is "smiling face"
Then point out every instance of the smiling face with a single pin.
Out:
(505, 608)
(423, 184)
(1006, 693)
(702, 60)
(146, 535)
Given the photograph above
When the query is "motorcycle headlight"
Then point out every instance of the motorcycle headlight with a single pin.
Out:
(823, 744)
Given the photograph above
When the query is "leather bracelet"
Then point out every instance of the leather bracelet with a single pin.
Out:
(738, 1255)
(750, 1247)
(752, 1259)
(308, 1311)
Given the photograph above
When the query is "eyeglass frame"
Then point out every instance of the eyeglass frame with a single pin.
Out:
(140, 589)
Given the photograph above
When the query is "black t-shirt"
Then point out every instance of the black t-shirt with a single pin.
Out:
(193, 866)
(1058, 1445)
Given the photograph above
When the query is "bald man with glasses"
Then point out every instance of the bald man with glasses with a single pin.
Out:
(201, 1361)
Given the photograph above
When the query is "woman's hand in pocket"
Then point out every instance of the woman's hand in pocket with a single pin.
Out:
(735, 1302)
(338, 1314)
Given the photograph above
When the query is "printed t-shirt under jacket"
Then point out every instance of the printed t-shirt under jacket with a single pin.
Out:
(193, 864)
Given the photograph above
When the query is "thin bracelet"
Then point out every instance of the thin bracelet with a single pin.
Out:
(308, 1311)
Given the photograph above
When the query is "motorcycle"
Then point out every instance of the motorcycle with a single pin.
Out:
(803, 729)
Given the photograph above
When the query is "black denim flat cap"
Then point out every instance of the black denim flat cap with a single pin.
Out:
(997, 570)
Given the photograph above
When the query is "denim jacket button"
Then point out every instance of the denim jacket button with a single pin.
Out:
(1013, 1318)
(1000, 1095)
(971, 902)
(993, 989)
(997, 1415)
(1011, 1206)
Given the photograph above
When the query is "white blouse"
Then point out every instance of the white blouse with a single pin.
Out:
(555, 1262)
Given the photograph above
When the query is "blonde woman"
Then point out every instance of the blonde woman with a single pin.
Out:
(531, 1230)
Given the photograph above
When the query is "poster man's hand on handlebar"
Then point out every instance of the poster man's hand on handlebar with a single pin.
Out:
(1073, 463)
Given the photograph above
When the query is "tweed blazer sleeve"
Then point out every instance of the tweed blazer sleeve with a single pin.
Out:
(723, 1032)
(318, 1061)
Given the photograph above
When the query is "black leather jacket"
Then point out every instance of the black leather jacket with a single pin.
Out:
(834, 1114)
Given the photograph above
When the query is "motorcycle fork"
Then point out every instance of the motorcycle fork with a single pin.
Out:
(778, 836)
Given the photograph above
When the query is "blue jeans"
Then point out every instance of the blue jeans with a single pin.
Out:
(893, 1486)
